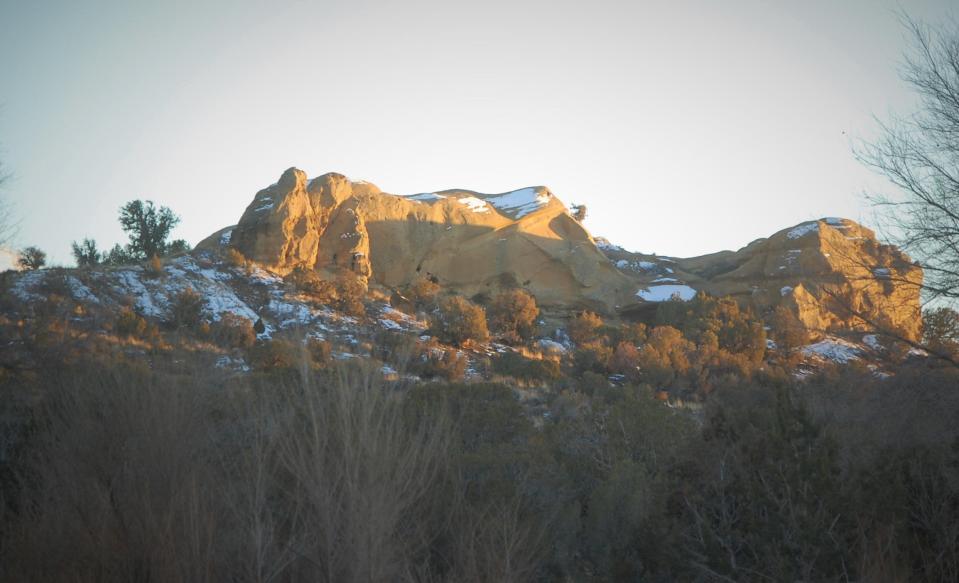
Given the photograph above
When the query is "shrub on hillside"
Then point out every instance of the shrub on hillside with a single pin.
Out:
(149, 228)
(457, 320)
(529, 370)
(234, 258)
(512, 315)
(592, 357)
(278, 354)
(449, 365)
(129, 323)
(187, 310)
(312, 283)
(232, 331)
(941, 329)
(177, 247)
(345, 292)
(31, 258)
(786, 329)
(737, 329)
(625, 361)
(634, 333)
(423, 292)
(777, 511)
(86, 253)
(117, 255)
(154, 267)
(320, 351)
(350, 291)
(665, 357)
(585, 327)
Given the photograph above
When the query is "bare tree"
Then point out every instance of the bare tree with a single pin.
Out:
(919, 154)
(32, 258)
(7, 225)
(357, 477)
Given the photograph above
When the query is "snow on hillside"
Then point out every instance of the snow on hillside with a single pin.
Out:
(25, 286)
(662, 293)
(425, 197)
(803, 230)
(637, 265)
(475, 204)
(604, 244)
(520, 203)
(834, 349)
(254, 294)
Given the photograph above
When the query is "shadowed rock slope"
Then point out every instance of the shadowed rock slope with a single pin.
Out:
(832, 273)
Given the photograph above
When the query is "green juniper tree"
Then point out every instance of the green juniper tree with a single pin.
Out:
(86, 253)
(148, 227)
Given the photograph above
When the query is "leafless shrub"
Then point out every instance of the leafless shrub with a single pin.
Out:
(357, 476)
(113, 490)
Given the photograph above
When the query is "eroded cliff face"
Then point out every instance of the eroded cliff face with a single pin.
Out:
(832, 273)
(470, 242)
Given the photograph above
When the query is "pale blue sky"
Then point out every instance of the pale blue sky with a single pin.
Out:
(685, 126)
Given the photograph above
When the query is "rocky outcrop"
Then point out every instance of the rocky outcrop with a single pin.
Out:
(832, 273)
(470, 242)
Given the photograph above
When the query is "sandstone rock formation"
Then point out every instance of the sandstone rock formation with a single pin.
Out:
(469, 241)
(832, 273)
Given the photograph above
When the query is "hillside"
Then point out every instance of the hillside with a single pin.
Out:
(530, 402)
(471, 242)
(339, 262)
(832, 273)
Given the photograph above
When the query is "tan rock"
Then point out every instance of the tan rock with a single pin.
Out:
(832, 273)
(471, 242)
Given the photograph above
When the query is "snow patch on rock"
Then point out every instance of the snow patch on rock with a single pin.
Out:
(522, 202)
(80, 291)
(803, 230)
(834, 349)
(662, 293)
(476, 205)
(25, 286)
(425, 197)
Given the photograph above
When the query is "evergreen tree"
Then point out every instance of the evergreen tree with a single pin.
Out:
(148, 227)
(86, 253)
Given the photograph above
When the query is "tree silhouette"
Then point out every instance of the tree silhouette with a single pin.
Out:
(148, 227)
(919, 154)
(31, 258)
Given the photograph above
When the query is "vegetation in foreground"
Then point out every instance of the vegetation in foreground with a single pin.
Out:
(185, 473)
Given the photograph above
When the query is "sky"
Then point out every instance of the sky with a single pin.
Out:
(685, 127)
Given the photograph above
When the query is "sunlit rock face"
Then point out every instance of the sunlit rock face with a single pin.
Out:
(471, 242)
(832, 273)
